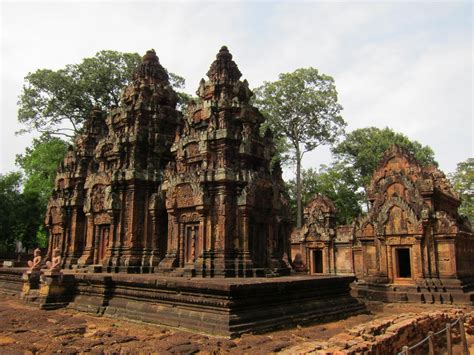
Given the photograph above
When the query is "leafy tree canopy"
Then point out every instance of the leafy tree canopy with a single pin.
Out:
(57, 102)
(363, 148)
(40, 162)
(356, 158)
(463, 182)
(302, 110)
(27, 208)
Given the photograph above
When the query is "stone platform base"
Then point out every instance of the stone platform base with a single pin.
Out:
(442, 291)
(11, 280)
(224, 307)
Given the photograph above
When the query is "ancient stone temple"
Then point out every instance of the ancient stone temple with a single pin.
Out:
(144, 190)
(148, 195)
(321, 247)
(226, 214)
(412, 244)
(106, 209)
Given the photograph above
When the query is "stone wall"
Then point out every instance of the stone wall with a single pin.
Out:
(388, 335)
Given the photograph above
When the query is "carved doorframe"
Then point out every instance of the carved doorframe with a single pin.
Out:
(402, 242)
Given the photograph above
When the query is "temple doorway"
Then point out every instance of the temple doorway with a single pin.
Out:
(403, 262)
(317, 261)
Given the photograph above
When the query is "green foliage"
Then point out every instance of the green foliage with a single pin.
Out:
(17, 211)
(463, 182)
(40, 163)
(335, 182)
(357, 157)
(301, 108)
(363, 148)
(57, 102)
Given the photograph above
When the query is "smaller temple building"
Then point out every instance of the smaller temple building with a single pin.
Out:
(411, 245)
(319, 247)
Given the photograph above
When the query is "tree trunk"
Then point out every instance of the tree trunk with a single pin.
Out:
(299, 212)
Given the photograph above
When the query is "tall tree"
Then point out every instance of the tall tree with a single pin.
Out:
(302, 109)
(363, 148)
(463, 183)
(57, 102)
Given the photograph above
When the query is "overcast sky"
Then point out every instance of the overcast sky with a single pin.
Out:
(404, 65)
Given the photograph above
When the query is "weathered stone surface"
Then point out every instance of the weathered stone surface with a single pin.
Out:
(321, 247)
(226, 211)
(30, 329)
(143, 188)
(106, 208)
(412, 245)
(225, 307)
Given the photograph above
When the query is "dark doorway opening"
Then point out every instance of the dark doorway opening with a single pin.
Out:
(404, 263)
(317, 261)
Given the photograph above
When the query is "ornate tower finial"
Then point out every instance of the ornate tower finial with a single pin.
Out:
(224, 69)
(150, 67)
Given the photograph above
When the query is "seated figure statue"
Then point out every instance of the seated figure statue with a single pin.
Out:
(35, 264)
(55, 264)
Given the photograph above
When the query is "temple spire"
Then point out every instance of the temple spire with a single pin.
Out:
(224, 69)
(150, 67)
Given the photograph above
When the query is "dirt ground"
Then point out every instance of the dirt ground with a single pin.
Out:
(25, 329)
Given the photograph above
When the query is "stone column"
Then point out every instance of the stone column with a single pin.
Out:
(328, 259)
(417, 251)
(87, 256)
(180, 241)
(390, 266)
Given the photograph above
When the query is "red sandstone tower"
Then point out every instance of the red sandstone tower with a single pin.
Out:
(106, 209)
(220, 210)
(226, 214)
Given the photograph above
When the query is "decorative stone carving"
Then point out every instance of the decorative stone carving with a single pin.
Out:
(313, 245)
(115, 166)
(230, 191)
(54, 265)
(412, 231)
(35, 264)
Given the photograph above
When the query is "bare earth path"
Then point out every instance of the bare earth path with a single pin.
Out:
(25, 329)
